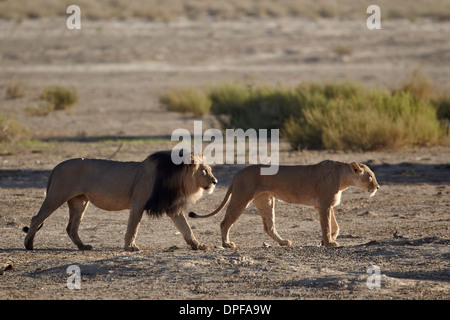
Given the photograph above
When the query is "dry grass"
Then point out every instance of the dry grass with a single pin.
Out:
(10, 130)
(168, 10)
(14, 90)
(61, 98)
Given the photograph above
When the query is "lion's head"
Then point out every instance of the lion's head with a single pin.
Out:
(177, 184)
(204, 177)
(364, 178)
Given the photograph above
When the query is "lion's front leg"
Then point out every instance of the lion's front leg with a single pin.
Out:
(182, 225)
(133, 225)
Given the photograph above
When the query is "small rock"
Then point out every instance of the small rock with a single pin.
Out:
(266, 245)
(172, 249)
(9, 266)
(373, 242)
(396, 235)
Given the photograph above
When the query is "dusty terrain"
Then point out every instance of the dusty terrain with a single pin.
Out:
(118, 68)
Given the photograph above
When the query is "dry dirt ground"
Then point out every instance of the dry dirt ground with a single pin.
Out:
(118, 69)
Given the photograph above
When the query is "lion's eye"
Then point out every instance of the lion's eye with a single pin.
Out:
(204, 172)
(370, 179)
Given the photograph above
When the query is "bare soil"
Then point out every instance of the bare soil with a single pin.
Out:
(118, 68)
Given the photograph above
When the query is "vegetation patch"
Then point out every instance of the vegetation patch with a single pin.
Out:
(339, 116)
(10, 130)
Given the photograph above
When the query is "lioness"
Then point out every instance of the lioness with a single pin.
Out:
(318, 185)
(156, 185)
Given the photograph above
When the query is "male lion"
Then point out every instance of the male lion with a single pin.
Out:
(156, 185)
(318, 185)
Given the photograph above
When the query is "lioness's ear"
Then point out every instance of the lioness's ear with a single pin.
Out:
(356, 169)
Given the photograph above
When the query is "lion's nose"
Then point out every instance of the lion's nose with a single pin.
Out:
(215, 181)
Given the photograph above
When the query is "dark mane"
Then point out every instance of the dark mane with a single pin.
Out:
(168, 195)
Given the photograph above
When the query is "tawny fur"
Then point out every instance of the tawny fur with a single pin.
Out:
(317, 185)
(155, 185)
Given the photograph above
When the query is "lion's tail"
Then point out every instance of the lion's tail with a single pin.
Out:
(224, 202)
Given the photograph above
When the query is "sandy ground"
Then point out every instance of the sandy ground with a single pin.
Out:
(118, 69)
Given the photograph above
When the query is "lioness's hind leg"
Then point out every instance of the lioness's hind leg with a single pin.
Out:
(48, 207)
(234, 210)
(77, 207)
(265, 204)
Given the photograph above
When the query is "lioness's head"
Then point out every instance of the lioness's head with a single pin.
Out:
(364, 178)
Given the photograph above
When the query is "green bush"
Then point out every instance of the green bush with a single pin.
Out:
(238, 106)
(339, 116)
(372, 120)
(186, 100)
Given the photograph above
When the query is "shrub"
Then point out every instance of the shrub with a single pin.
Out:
(186, 100)
(239, 106)
(14, 90)
(340, 116)
(443, 108)
(60, 97)
(10, 129)
(370, 121)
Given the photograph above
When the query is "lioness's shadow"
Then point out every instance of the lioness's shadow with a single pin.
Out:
(412, 173)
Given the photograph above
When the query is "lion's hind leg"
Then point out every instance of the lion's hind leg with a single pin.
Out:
(265, 203)
(77, 207)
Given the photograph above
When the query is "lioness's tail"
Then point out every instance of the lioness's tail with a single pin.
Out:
(224, 202)
(26, 228)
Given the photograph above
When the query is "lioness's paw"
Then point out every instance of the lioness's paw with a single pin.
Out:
(203, 247)
(230, 245)
(331, 244)
(131, 248)
(285, 243)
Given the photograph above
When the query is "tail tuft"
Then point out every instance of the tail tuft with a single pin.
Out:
(25, 229)
(193, 215)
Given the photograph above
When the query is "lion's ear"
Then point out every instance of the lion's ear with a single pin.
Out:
(196, 159)
(356, 169)
(188, 159)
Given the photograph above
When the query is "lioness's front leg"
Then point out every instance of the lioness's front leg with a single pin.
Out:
(334, 225)
(325, 223)
(182, 225)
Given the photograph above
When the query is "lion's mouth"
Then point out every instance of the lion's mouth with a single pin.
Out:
(209, 188)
